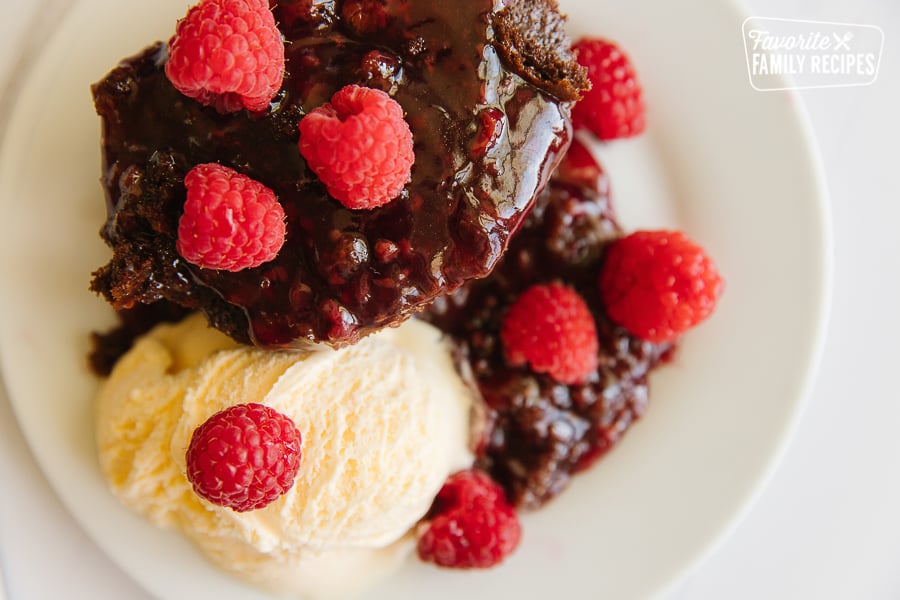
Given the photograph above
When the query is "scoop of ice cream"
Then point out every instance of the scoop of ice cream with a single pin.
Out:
(383, 423)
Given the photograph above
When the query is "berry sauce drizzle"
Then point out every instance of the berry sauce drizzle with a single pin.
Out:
(538, 431)
(485, 142)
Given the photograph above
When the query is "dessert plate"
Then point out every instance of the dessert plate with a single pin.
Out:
(733, 167)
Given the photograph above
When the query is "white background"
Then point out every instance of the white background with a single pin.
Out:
(828, 524)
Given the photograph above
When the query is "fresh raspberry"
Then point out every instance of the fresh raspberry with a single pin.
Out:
(228, 54)
(359, 146)
(470, 525)
(551, 328)
(580, 167)
(614, 106)
(230, 221)
(658, 284)
(244, 457)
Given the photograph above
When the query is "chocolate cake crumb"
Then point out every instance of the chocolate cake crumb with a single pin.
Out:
(107, 347)
(532, 39)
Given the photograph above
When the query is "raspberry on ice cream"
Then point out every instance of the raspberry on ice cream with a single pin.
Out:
(382, 425)
(485, 90)
(243, 457)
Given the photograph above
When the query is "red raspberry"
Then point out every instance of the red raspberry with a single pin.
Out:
(614, 106)
(359, 146)
(228, 54)
(244, 457)
(580, 167)
(471, 525)
(551, 328)
(658, 284)
(230, 221)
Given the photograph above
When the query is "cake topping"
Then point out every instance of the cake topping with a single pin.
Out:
(471, 524)
(658, 284)
(614, 106)
(485, 142)
(359, 146)
(228, 54)
(230, 221)
(551, 328)
(244, 457)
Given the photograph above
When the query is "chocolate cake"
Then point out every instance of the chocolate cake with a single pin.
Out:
(487, 92)
(541, 431)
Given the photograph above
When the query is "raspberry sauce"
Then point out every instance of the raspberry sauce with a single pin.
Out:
(540, 431)
(485, 142)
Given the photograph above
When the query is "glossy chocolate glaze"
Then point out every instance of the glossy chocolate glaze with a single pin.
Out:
(539, 431)
(485, 142)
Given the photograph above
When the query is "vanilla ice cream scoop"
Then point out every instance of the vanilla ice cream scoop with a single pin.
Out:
(383, 423)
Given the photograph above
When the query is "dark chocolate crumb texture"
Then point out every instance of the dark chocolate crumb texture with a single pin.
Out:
(486, 91)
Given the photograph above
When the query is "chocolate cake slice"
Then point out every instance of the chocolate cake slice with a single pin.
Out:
(540, 431)
(487, 92)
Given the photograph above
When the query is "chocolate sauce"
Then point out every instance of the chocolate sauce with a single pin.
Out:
(540, 431)
(485, 142)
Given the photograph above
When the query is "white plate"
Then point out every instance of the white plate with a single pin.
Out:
(733, 167)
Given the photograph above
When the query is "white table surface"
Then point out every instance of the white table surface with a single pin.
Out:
(827, 525)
